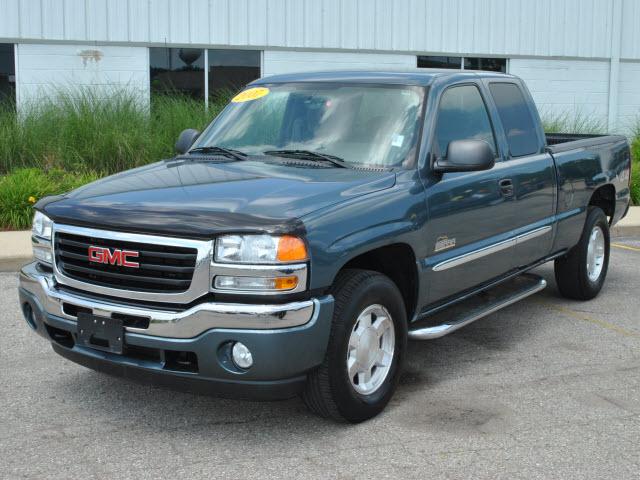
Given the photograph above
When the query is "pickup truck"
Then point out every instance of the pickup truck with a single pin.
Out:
(319, 222)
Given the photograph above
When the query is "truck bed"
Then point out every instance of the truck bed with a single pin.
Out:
(562, 142)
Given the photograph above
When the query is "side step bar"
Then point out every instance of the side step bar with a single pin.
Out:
(474, 308)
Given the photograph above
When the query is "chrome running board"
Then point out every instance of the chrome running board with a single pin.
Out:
(474, 308)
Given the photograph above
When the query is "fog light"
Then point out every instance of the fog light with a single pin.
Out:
(241, 355)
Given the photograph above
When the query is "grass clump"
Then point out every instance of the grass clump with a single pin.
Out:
(83, 130)
(22, 188)
(572, 122)
(74, 137)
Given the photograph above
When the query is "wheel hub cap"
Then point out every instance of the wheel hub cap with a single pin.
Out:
(595, 254)
(371, 349)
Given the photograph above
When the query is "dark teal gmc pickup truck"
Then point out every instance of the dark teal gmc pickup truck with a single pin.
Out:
(317, 224)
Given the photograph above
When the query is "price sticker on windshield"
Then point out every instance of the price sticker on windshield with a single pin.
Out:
(250, 94)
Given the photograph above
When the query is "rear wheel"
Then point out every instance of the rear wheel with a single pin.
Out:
(581, 273)
(365, 352)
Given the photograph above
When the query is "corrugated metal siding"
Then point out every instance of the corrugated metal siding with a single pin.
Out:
(630, 44)
(566, 28)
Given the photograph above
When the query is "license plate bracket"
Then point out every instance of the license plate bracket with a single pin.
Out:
(100, 333)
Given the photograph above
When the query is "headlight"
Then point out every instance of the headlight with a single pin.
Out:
(41, 238)
(260, 249)
(41, 226)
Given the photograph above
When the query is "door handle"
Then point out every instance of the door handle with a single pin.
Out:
(506, 187)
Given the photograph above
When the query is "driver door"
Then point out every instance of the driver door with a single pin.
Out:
(470, 213)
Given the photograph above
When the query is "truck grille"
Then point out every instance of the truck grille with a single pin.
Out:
(161, 268)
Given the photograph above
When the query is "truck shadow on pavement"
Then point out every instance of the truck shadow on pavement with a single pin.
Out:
(478, 349)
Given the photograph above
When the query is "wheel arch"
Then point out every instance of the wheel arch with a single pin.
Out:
(398, 262)
(604, 197)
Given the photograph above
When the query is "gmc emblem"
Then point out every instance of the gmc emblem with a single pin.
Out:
(117, 257)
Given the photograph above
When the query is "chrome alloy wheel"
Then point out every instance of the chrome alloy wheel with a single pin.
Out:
(595, 254)
(371, 349)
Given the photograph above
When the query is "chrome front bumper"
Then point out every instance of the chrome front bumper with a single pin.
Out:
(166, 323)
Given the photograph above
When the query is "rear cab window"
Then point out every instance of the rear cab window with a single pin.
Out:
(517, 121)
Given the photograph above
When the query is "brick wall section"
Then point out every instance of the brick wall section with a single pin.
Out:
(43, 68)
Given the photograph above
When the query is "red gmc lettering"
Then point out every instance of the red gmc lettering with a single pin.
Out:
(117, 257)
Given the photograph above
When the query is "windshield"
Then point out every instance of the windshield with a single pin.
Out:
(364, 125)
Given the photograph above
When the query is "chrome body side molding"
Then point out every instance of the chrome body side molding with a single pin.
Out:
(496, 247)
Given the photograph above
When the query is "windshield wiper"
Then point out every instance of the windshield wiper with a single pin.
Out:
(228, 152)
(309, 155)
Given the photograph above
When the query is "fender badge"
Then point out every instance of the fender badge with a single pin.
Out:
(443, 242)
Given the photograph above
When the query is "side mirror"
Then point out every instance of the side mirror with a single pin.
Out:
(186, 139)
(466, 156)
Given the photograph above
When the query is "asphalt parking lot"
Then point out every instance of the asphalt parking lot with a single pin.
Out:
(546, 388)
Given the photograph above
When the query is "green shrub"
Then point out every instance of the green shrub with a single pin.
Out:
(82, 130)
(22, 188)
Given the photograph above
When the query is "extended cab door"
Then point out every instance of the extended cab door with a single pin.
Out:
(531, 170)
(472, 215)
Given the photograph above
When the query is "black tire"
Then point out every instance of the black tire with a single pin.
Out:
(329, 392)
(571, 270)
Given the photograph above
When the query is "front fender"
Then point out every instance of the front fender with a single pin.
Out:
(346, 230)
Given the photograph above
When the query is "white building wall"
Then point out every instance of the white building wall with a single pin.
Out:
(276, 62)
(566, 87)
(45, 68)
(629, 96)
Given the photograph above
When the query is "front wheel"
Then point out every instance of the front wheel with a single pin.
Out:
(366, 349)
(581, 273)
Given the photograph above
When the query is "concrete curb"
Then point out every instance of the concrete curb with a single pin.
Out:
(15, 247)
(15, 250)
(629, 226)
(625, 231)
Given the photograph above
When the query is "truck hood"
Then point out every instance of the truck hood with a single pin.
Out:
(195, 198)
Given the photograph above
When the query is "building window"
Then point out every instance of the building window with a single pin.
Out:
(7, 73)
(230, 70)
(463, 63)
(489, 64)
(182, 71)
(439, 62)
(177, 70)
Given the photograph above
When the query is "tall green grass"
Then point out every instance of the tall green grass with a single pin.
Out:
(73, 138)
(22, 188)
(572, 122)
(81, 130)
